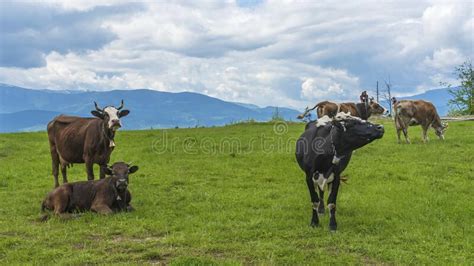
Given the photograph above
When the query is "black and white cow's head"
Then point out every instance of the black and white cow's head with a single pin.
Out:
(111, 115)
(354, 132)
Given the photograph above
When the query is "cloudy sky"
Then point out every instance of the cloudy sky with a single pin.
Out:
(281, 53)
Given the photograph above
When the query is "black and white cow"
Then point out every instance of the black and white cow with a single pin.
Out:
(324, 150)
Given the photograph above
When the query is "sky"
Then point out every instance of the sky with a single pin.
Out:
(279, 53)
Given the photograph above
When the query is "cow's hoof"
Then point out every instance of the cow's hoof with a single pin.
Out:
(332, 228)
(321, 212)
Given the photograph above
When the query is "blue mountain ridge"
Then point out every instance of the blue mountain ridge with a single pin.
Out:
(26, 109)
(30, 110)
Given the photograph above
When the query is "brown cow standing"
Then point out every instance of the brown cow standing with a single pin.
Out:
(84, 140)
(417, 112)
(361, 110)
(103, 196)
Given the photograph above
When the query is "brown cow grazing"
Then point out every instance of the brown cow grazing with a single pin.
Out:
(361, 110)
(417, 112)
(84, 140)
(103, 196)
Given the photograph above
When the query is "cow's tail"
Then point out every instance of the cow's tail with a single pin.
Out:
(306, 111)
(319, 108)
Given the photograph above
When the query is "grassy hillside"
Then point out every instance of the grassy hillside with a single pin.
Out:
(236, 195)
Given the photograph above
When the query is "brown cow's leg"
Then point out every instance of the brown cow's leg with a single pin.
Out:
(399, 130)
(61, 201)
(424, 135)
(398, 126)
(55, 165)
(102, 171)
(101, 209)
(64, 172)
(405, 133)
(90, 170)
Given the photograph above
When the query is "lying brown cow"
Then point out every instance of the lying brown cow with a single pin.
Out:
(103, 196)
(361, 110)
(418, 112)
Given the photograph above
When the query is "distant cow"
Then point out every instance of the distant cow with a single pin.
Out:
(362, 110)
(103, 196)
(419, 112)
(324, 150)
(84, 140)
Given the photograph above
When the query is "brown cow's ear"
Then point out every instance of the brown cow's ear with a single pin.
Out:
(132, 169)
(97, 114)
(108, 171)
(123, 113)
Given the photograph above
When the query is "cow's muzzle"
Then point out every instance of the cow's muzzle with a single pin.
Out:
(121, 184)
(115, 124)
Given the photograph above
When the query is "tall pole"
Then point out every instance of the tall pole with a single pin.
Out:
(377, 91)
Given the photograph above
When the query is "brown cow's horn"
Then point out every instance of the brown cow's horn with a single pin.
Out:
(97, 107)
(121, 106)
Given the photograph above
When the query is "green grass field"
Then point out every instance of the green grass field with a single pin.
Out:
(235, 195)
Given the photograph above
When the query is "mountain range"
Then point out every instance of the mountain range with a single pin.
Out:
(30, 110)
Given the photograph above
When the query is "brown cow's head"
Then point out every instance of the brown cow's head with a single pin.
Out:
(440, 130)
(376, 108)
(121, 171)
(110, 115)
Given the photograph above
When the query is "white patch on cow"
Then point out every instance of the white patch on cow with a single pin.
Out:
(331, 178)
(323, 121)
(322, 182)
(113, 115)
(346, 116)
(316, 205)
(111, 143)
(118, 197)
(341, 116)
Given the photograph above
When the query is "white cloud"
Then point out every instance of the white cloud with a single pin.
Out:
(275, 53)
(444, 59)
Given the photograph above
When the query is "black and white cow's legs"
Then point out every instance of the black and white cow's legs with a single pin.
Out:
(314, 199)
(321, 200)
(332, 202)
